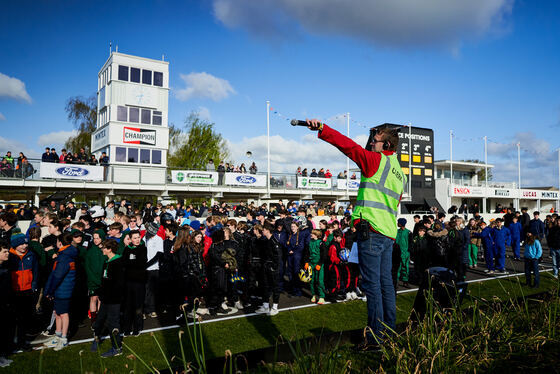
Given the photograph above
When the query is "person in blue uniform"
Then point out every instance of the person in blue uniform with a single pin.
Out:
(515, 229)
(502, 237)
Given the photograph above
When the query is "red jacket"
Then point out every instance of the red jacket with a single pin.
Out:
(367, 161)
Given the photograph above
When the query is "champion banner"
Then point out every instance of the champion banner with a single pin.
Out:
(133, 135)
(192, 176)
(314, 183)
(67, 171)
(236, 179)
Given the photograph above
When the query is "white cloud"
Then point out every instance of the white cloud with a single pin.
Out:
(203, 113)
(287, 154)
(204, 86)
(539, 163)
(56, 138)
(13, 88)
(15, 147)
(395, 23)
(2, 117)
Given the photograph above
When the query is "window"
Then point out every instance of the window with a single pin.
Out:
(122, 113)
(156, 119)
(158, 79)
(132, 155)
(120, 154)
(135, 75)
(156, 157)
(144, 156)
(146, 116)
(134, 115)
(123, 73)
(147, 76)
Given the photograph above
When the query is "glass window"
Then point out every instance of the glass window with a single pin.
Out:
(147, 76)
(120, 154)
(122, 113)
(158, 79)
(156, 119)
(144, 156)
(156, 157)
(132, 155)
(135, 75)
(146, 116)
(123, 73)
(134, 115)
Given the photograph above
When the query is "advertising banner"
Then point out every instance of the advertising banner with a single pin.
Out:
(353, 185)
(68, 171)
(467, 191)
(314, 183)
(237, 179)
(134, 135)
(192, 176)
(530, 194)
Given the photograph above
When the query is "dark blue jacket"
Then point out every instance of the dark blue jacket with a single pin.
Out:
(296, 243)
(63, 277)
(536, 227)
(502, 237)
(515, 229)
(466, 233)
(281, 237)
(487, 239)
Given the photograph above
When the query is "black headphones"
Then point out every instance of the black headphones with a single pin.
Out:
(386, 144)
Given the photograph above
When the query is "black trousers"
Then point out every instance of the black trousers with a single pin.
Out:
(133, 320)
(254, 281)
(24, 307)
(108, 320)
(152, 287)
(7, 331)
(271, 285)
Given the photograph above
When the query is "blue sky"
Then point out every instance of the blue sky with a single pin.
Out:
(483, 67)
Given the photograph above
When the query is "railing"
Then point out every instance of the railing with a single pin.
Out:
(136, 174)
(492, 184)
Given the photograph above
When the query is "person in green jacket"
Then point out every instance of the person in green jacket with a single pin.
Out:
(125, 241)
(403, 240)
(316, 259)
(94, 260)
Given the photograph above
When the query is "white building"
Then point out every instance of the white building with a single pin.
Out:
(466, 188)
(132, 107)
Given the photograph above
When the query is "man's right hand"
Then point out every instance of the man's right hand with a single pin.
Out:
(314, 124)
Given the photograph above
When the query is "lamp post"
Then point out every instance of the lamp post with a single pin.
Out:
(268, 148)
(348, 159)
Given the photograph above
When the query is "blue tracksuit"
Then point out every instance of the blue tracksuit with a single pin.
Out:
(488, 244)
(296, 244)
(515, 229)
(536, 227)
(502, 237)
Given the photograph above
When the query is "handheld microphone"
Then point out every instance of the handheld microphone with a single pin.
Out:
(297, 122)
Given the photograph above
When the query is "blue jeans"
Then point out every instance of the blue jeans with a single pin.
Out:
(375, 257)
(555, 253)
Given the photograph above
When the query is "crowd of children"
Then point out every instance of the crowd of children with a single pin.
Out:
(58, 273)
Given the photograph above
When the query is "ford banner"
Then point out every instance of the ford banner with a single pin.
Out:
(353, 185)
(251, 180)
(71, 171)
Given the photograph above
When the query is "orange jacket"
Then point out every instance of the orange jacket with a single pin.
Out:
(24, 269)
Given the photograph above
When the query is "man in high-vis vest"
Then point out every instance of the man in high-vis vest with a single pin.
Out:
(375, 218)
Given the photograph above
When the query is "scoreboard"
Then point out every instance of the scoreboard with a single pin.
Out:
(416, 156)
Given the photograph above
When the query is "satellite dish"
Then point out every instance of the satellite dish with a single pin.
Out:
(249, 154)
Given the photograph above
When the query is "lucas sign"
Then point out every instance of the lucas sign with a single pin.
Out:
(134, 135)
(67, 171)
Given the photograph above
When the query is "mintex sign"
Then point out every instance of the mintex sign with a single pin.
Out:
(134, 135)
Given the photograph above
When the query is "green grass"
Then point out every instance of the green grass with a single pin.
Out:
(242, 334)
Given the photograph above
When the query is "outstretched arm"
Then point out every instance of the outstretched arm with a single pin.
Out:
(367, 161)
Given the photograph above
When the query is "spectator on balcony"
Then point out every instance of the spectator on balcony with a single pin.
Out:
(62, 158)
(353, 176)
(83, 157)
(210, 166)
(253, 168)
(242, 168)
(328, 174)
(104, 159)
(93, 160)
(221, 172)
(54, 155)
(9, 158)
(298, 171)
(321, 173)
(69, 158)
(304, 172)
(46, 157)
(340, 176)
(25, 170)
(313, 173)
(19, 160)
(6, 169)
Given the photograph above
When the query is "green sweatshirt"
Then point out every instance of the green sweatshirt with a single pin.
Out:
(93, 262)
(39, 251)
(315, 252)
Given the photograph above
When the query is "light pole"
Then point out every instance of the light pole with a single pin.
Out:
(347, 158)
(451, 154)
(486, 160)
(268, 148)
